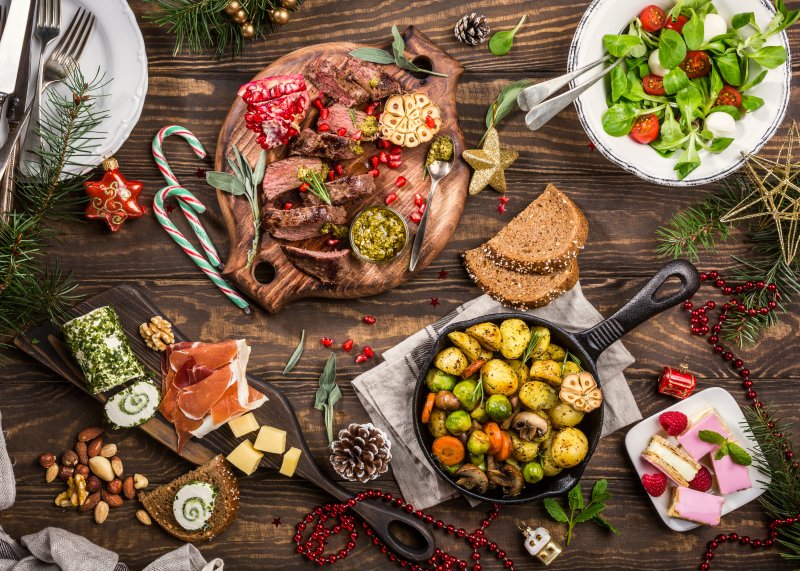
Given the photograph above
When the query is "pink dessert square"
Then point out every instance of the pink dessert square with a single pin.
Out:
(690, 440)
(695, 506)
(731, 477)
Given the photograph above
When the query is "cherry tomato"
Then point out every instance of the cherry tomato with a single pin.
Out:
(676, 24)
(729, 96)
(697, 64)
(645, 129)
(653, 18)
(653, 85)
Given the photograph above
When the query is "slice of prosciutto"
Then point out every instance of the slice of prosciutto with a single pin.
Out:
(205, 386)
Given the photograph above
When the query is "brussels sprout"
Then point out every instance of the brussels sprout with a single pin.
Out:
(458, 422)
(499, 378)
(569, 447)
(498, 407)
(488, 335)
(532, 472)
(564, 415)
(523, 450)
(450, 469)
(515, 337)
(479, 414)
(467, 393)
(437, 380)
(537, 395)
(520, 369)
(436, 424)
(478, 442)
(451, 360)
(478, 460)
(468, 345)
(549, 371)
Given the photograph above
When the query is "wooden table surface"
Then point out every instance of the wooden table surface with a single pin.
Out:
(42, 412)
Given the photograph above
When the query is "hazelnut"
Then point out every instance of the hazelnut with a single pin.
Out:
(69, 458)
(65, 473)
(93, 484)
(115, 486)
(82, 469)
(81, 451)
(47, 459)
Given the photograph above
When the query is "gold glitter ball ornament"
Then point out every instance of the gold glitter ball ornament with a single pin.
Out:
(490, 163)
(248, 31)
(289, 4)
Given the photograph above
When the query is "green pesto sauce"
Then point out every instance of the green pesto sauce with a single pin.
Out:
(369, 126)
(374, 82)
(304, 173)
(378, 234)
(441, 150)
(339, 231)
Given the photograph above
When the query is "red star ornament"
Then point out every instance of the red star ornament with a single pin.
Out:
(113, 198)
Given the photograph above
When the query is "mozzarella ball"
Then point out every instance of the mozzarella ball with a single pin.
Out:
(721, 125)
(655, 66)
(714, 25)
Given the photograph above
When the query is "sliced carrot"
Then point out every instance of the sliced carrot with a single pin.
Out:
(473, 368)
(495, 437)
(449, 450)
(428, 409)
(505, 449)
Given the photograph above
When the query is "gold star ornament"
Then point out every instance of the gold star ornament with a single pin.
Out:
(489, 163)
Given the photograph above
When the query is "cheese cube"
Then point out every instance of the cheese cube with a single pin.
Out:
(245, 457)
(290, 461)
(243, 425)
(272, 440)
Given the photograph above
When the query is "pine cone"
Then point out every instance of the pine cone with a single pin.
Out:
(361, 453)
(472, 29)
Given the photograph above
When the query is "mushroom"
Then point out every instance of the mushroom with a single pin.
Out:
(529, 425)
(446, 400)
(472, 478)
(517, 406)
(509, 478)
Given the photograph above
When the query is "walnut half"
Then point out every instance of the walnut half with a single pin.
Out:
(157, 333)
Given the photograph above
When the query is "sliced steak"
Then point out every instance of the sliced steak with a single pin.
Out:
(327, 267)
(281, 176)
(302, 223)
(325, 145)
(331, 79)
(344, 190)
(339, 117)
(371, 78)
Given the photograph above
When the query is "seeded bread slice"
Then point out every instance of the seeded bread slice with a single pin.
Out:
(513, 289)
(545, 237)
(158, 503)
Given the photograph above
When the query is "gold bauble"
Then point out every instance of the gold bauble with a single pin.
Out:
(233, 7)
(289, 4)
(248, 31)
(280, 16)
(240, 17)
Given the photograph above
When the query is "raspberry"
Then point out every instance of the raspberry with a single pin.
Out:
(654, 484)
(701, 482)
(673, 422)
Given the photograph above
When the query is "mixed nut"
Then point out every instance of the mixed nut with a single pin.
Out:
(94, 475)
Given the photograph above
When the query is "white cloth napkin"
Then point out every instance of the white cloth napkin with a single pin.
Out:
(387, 390)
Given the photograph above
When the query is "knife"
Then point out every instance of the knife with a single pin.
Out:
(17, 30)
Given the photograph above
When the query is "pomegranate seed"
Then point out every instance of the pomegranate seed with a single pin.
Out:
(288, 205)
(347, 346)
(374, 172)
(331, 175)
(368, 351)
(400, 182)
(342, 132)
(430, 122)
(393, 164)
(360, 358)
(339, 169)
(422, 208)
(503, 200)
(318, 103)
(323, 113)
(374, 161)
(396, 151)
(384, 144)
(327, 342)
(370, 109)
(383, 157)
(332, 242)
(415, 217)
(418, 200)
(323, 127)
(305, 187)
(369, 319)
(356, 136)
(321, 96)
(390, 198)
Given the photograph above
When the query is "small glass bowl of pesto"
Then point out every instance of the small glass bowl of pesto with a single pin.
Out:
(378, 234)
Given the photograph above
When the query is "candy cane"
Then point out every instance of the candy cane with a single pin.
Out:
(172, 180)
(187, 199)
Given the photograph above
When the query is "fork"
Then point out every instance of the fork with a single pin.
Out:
(48, 27)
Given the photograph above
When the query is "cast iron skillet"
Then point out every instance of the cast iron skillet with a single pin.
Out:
(587, 345)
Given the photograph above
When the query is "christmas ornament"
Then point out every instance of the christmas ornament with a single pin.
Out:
(539, 543)
(490, 163)
(280, 16)
(289, 4)
(239, 17)
(472, 29)
(232, 7)
(248, 31)
(361, 452)
(678, 383)
(113, 198)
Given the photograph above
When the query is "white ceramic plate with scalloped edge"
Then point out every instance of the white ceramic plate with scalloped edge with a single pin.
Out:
(752, 132)
(728, 410)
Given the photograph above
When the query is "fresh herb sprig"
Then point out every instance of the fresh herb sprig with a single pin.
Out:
(316, 185)
(581, 512)
(504, 104)
(502, 42)
(298, 352)
(328, 394)
(570, 357)
(727, 447)
(245, 181)
(397, 57)
(526, 355)
(478, 392)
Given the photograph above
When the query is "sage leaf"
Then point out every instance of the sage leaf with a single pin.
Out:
(502, 42)
(226, 183)
(555, 510)
(298, 352)
(328, 394)
(261, 167)
(373, 55)
(505, 102)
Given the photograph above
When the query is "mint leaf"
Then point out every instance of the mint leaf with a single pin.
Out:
(592, 510)
(605, 524)
(555, 510)
(575, 497)
(739, 454)
(599, 491)
(722, 452)
(711, 437)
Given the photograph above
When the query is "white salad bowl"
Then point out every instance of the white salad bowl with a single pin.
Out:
(752, 131)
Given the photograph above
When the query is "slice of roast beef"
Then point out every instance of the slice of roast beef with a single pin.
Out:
(281, 176)
(330, 78)
(325, 145)
(327, 267)
(302, 223)
(371, 78)
(344, 190)
(339, 117)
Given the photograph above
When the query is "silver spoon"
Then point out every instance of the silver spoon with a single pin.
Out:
(438, 170)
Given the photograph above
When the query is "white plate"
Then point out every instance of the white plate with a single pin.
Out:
(725, 405)
(752, 132)
(116, 48)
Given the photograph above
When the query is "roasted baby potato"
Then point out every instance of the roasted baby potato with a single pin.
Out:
(436, 424)
(468, 345)
(488, 335)
(548, 466)
(542, 335)
(523, 450)
(451, 361)
(537, 395)
(486, 355)
(555, 353)
(571, 368)
(520, 369)
(569, 448)
(564, 415)
(549, 371)
(515, 337)
(499, 378)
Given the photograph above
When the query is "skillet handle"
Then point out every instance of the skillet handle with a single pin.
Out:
(381, 516)
(641, 307)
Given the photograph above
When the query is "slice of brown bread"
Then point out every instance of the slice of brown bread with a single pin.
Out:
(216, 471)
(543, 238)
(513, 289)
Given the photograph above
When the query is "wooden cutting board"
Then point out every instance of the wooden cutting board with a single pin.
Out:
(272, 280)
(45, 343)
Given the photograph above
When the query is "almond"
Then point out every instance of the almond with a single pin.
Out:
(82, 452)
(90, 433)
(101, 467)
(100, 512)
(52, 473)
(144, 517)
(128, 489)
(116, 466)
(140, 482)
(113, 500)
(108, 451)
(95, 446)
(91, 501)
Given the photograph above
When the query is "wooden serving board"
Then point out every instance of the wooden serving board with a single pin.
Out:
(285, 282)
(45, 343)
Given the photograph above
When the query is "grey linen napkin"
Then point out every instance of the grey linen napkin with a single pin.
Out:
(54, 549)
(386, 391)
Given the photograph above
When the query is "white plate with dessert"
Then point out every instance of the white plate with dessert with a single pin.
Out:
(687, 460)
